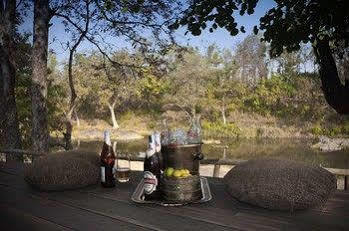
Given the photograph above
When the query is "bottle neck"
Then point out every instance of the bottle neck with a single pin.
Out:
(157, 142)
(107, 138)
(151, 150)
(151, 146)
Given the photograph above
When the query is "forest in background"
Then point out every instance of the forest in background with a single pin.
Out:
(268, 86)
(240, 93)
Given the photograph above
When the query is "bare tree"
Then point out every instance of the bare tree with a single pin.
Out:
(76, 14)
(250, 56)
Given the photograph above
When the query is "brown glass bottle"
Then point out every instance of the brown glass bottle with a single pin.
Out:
(107, 163)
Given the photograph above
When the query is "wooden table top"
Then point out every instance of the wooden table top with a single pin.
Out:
(97, 208)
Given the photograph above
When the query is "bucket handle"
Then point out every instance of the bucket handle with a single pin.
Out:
(198, 156)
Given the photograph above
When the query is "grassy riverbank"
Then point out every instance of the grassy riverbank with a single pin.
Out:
(134, 125)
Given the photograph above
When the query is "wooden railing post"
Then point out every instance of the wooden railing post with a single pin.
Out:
(216, 170)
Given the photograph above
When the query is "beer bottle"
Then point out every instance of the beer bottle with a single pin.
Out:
(107, 163)
(152, 170)
(158, 151)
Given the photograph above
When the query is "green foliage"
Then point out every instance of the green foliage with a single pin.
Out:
(152, 88)
(331, 129)
(286, 25)
(210, 85)
(272, 96)
(55, 95)
(127, 116)
(287, 96)
(55, 115)
(345, 127)
(218, 129)
(23, 102)
(317, 130)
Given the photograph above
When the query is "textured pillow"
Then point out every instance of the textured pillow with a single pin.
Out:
(91, 157)
(280, 184)
(57, 172)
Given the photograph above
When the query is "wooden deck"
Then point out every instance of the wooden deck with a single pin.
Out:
(96, 208)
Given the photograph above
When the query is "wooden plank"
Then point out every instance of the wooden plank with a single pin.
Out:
(247, 220)
(156, 217)
(16, 182)
(222, 213)
(101, 211)
(59, 214)
(10, 218)
(319, 221)
(338, 171)
(209, 212)
(216, 170)
(184, 211)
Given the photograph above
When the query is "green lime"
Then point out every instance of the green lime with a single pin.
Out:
(169, 172)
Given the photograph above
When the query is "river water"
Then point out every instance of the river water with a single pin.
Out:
(245, 149)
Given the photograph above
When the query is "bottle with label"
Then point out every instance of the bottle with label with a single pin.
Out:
(152, 170)
(107, 163)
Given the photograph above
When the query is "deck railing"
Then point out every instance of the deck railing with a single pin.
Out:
(342, 175)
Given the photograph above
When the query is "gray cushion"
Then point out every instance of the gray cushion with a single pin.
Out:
(90, 156)
(280, 184)
(56, 172)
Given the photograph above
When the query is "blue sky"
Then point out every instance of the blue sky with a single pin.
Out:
(220, 37)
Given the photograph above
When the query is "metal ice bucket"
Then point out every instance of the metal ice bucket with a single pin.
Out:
(182, 156)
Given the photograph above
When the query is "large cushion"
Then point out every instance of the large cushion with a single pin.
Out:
(280, 184)
(62, 171)
(90, 156)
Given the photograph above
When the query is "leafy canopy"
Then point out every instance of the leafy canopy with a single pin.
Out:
(285, 26)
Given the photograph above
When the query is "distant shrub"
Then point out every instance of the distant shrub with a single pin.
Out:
(317, 130)
(330, 130)
(126, 116)
(336, 130)
(345, 128)
(218, 129)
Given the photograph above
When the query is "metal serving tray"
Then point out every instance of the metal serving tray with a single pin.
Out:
(138, 197)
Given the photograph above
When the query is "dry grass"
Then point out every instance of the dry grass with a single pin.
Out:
(280, 184)
(65, 170)
(255, 125)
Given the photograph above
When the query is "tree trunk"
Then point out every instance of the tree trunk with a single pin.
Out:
(223, 111)
(77, 118)
(67, 135)
(11, 138)
(336, 94)
(112, 113)
(69, 115)
(223, 115)
(40, 134)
